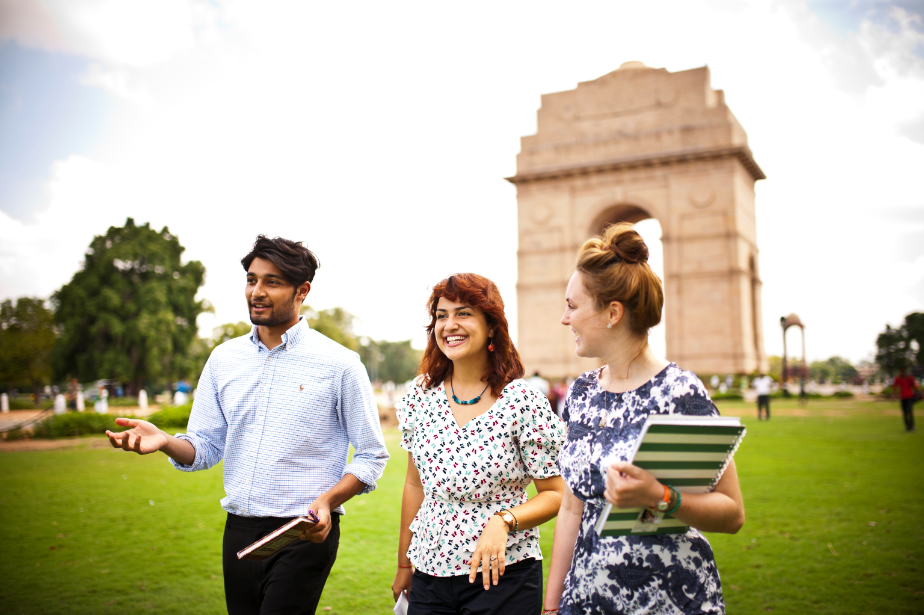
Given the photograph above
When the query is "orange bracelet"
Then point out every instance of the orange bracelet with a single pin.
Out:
(667, 494)
(400, 566)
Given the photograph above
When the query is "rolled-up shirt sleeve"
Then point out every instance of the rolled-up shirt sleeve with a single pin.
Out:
(360, 416)
(207, 427)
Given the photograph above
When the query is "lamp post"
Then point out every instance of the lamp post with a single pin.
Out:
(784, 375)
(785, 322)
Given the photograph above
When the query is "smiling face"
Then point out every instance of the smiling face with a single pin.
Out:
(587, 321)
(271, 299)
(461, 331)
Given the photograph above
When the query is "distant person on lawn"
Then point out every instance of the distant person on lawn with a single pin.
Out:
(905, 387)
(71, 395)
(281, 406)
(762, 386)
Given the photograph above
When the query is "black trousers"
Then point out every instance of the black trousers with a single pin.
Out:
(288, 582)
(908, 413)
(518, 592)
(763, 401)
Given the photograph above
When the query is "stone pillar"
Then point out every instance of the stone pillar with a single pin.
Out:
(60, 404)
(143, 399)
(4, 402)
(81, 403)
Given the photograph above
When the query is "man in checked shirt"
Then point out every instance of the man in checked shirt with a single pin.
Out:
(280, 406)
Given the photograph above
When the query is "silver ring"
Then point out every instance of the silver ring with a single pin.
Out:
(493, 557)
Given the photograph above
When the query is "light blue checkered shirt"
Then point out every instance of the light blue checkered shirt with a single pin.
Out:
(283, 420)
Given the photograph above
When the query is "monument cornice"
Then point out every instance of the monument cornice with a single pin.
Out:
(740, 152)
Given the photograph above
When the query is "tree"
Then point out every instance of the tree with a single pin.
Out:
(835, 369)
(914, 325)
(228, 331)
(130, 313)
(902, 347)
(201, 348)
(336, 323)
(27, 336)
(394, 361)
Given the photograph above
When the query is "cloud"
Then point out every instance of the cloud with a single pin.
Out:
(135, 34)
(913, 129)
(881, 64)
(119, 82)
(36, 259)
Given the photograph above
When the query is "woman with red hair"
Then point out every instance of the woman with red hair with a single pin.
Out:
(477, 435)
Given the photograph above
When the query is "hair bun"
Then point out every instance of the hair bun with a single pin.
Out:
(626, 244)
(615, 267)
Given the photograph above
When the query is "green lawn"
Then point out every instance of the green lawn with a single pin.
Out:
(833, 499)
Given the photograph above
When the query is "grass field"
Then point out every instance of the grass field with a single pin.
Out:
(833, 498)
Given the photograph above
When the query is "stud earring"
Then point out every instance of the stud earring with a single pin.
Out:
(609, 325)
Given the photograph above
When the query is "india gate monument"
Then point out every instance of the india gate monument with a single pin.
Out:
(643, 143)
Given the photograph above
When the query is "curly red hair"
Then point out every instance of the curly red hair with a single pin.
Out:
(504, 364)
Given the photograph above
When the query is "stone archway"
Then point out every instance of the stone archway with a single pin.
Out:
(624, 212)
(634, 144)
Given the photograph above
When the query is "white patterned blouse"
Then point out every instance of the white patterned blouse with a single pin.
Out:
(469, 473)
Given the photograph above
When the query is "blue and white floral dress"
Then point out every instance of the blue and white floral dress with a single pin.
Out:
(658, 575)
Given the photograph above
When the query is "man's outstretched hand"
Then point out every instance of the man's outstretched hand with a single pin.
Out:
(143, 437)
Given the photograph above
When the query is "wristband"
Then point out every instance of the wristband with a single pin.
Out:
(665, 502)
(677, 505)
(400, 566)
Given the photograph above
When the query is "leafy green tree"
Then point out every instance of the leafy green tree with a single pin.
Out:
(902, 347)
(27, 336)
(201, 348)
(835, 369)
(914, 325)
(130, 313)
(336, 323)
(394, 361)
(228, 331)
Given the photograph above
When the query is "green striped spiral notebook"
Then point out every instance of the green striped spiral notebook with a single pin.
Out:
(689, 453)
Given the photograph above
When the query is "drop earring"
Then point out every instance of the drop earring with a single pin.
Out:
(490, 345)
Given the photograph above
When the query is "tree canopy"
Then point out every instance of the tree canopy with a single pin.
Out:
(835, 369)
(336, 323)
(902, 347)
(384, 361)
(129, 313)
(394, 361)
(27, 336)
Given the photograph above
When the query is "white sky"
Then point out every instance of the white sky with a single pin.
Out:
(380, 134)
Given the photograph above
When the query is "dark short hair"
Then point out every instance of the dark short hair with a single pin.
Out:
(296, 262)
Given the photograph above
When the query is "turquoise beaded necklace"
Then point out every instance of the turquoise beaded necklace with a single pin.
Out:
(465, 403)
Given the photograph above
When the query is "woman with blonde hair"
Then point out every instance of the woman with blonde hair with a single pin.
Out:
(612, 301)
(477, 435)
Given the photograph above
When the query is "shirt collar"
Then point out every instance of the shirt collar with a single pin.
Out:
(295, 334)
